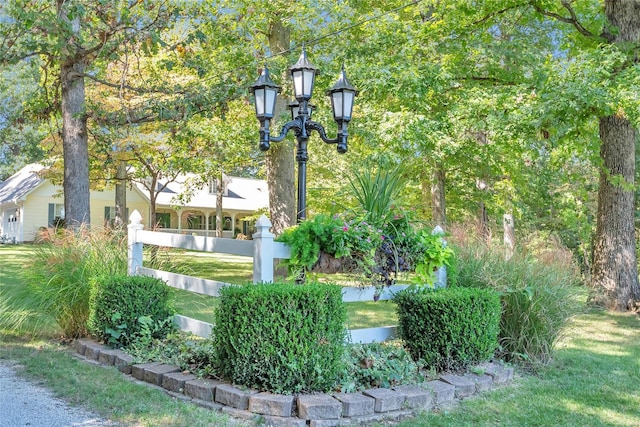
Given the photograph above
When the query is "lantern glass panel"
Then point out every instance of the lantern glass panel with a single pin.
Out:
(270, 104)
(336, 98)
(347, 104)
(259, 95)
(303, 81)
(342, 102)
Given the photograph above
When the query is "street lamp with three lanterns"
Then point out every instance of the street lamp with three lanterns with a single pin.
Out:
(265, 92)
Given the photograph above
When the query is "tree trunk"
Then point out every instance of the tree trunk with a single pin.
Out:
(121, 195)
(74, 128)
(615, 270)
(509, 236)
(219, 218)
(75, 146)
(484, 232)
(280, 157)
(482, 185)
(438, 205)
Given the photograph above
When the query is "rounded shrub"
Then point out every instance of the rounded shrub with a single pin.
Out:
(282, 338)
(123, 308)
(449, 328)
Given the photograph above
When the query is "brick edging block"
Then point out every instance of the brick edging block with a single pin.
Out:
(265, 403)
(231, 396)
(321, 410)
(319, 407)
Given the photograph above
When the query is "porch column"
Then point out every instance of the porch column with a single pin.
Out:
(20, 236)
(179, 220)
(233, 224)
(206, 223)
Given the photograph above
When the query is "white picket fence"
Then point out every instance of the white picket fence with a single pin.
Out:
(263, 249)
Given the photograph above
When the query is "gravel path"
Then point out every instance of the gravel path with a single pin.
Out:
(24, 403)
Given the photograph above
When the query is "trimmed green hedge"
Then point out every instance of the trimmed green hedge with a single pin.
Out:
(449, 328)
(282, 338)
(125, 307)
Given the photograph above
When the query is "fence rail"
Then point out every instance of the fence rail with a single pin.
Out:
(263, 249)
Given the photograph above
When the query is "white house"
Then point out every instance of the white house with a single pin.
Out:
(29, 202)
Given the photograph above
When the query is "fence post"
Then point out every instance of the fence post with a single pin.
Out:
(263, 251)
(441, 272)
(135, 248)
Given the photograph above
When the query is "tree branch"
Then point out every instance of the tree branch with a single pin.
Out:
(498, 12)
(573, 19)
(128, 87)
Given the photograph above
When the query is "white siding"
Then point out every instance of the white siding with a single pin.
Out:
(36, 206)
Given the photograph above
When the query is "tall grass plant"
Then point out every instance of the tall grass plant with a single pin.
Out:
(57, 278)
(540, 291)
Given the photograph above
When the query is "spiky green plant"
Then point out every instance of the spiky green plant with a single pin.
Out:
(377, 189)
(57, 278)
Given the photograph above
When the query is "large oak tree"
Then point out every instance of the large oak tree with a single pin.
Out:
(73, 41)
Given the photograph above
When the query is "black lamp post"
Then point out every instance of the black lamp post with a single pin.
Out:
(303, 73)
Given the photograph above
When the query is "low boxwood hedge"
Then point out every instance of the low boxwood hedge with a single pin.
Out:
(122, 308)
(449, 328)
(283, 338)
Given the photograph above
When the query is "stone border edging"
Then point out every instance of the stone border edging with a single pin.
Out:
(314, 410)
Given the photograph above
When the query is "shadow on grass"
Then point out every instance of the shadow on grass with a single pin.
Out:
(594, 380)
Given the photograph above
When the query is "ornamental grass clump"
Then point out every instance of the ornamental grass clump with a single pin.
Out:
(57, 279)
(539, 297)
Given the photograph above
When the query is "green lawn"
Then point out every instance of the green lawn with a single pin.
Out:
(368, 314)
(594, 379)
(238, 270)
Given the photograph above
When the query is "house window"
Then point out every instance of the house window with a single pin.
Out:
(163, 220)
(195, 222)
(213, 186)
(226, 225)
(110, 216)
(56, 215)
(212, 222)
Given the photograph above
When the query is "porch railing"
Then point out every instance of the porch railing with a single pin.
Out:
(196, 232)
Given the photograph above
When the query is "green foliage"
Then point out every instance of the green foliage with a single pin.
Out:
(408, 249)
(335, 235)
(432, 252)
(539, 296)
(57, 279)
(126, 310)
(376, 189)
(449, 328)
(282, 338)
(378, 365)
(378, 253)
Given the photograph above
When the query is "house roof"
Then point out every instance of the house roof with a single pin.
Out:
(21, 183)
(243, 194)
